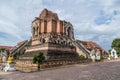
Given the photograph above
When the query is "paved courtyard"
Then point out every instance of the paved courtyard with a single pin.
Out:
(97, 71)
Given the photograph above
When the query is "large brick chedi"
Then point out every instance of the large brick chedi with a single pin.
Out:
(51, 36)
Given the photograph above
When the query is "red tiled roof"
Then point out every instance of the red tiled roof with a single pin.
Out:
(91, 44)
(7, 47)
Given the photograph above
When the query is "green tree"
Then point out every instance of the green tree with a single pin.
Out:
(2, 49)
(116, 45)
(81, 57)
(39, 59)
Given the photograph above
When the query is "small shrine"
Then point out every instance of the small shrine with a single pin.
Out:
(114, 53)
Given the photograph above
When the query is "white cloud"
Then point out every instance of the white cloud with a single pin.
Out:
(9, 28)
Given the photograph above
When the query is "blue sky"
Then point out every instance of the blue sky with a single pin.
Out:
(94, 20)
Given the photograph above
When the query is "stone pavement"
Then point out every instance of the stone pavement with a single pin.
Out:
(109, 70)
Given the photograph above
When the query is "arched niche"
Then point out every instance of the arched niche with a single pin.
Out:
(69, 32)
(35, 29)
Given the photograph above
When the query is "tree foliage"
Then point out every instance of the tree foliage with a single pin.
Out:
(116, 45)
(39, 59)
(3, 49)
(81, 57)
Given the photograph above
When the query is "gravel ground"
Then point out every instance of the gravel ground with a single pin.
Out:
(94, 71)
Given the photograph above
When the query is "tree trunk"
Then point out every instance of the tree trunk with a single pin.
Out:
(38, 66)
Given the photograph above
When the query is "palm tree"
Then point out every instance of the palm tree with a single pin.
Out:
(39, 59)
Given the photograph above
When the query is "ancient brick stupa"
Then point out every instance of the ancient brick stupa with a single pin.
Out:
(51, 36)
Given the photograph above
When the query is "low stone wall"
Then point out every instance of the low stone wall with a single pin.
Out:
(28, 66)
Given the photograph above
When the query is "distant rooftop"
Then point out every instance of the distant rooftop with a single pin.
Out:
(7, 47)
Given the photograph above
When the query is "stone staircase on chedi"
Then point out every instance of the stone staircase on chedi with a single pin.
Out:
(53, 37)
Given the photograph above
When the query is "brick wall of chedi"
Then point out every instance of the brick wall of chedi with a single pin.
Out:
(48, 22)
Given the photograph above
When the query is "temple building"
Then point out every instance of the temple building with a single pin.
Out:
(55, 38)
